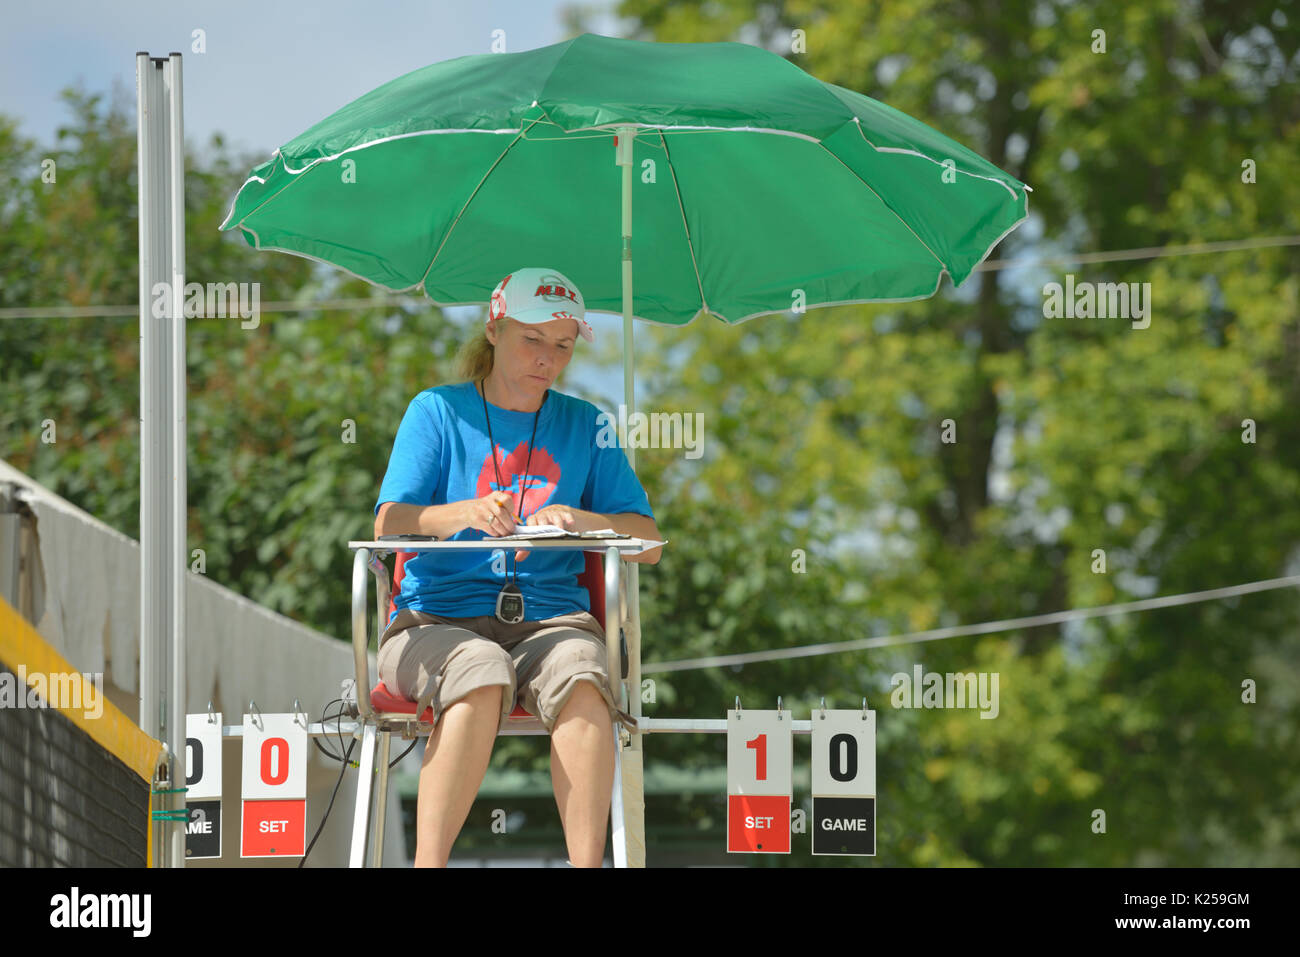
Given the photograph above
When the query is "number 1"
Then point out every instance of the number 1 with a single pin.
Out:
(759, 745)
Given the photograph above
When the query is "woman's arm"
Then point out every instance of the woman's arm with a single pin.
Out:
(490, 514)
(437, 521)
(636, 525)
(625, 523)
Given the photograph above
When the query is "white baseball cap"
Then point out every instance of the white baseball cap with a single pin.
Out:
(540, 295)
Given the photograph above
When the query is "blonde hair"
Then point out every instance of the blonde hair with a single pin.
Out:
(475, 359)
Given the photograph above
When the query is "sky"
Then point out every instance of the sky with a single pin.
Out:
(269, 70)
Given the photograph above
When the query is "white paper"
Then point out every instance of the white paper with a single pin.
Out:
(537, 531)
(555, 531)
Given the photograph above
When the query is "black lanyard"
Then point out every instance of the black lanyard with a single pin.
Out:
(523, 478)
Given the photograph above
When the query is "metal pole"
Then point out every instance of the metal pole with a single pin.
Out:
(160, 143)
(618, 835)
(365, 781)
(381, 800)
(154, 268)
(179, 552)
(11, 537)
(632, 765)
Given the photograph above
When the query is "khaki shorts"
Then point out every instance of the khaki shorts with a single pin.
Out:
(436, 661)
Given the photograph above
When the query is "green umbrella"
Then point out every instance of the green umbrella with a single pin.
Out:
(756, 187)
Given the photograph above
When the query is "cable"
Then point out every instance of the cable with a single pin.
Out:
(1146, 252)
(393, 763)
(323, 718)
(95, 312)
(345, 758)
(315, 836)
(957, 631)
(989, 265)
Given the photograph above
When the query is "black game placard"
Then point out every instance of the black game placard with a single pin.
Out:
(203, 829)
(844, 825)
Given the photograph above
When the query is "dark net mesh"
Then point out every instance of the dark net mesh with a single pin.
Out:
(65, 801)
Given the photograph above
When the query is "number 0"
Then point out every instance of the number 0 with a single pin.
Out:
(281, 764)
(759, 745)
(844, 746)
(196, 760)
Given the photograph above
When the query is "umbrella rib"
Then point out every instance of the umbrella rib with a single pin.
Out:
(680, 129)
(943, 265)
(993, 245)
(447, 235)
(955, 168)
(690, 243)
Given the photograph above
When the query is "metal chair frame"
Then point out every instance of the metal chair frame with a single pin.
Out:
(377, 727)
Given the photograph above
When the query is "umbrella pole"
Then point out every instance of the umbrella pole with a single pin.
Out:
(632, 758)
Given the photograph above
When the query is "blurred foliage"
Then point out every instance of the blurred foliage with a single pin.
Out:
(278, 479)
(825, 506)
(1072, 435)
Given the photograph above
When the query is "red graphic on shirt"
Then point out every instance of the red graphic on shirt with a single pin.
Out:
(536, 486)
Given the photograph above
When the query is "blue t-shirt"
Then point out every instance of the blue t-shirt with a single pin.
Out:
(441, 455)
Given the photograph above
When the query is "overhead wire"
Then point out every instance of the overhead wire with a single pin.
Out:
(989, 265)
(959, 631)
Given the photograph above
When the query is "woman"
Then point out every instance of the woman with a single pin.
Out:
(473, 631)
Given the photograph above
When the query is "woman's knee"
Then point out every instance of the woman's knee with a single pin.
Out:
(581, 697)
(488, 697)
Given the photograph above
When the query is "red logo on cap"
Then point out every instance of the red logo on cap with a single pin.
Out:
(564, 315)
(550, 291)
(498, 308)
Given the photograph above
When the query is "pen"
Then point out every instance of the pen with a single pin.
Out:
(505, 501)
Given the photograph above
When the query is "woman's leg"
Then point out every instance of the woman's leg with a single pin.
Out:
(582, 772)
(455, 760)
(557, 668)
(438, 660)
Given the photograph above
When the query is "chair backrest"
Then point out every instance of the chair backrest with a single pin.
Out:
(592, 579)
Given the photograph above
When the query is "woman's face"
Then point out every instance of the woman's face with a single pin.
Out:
(530, 356)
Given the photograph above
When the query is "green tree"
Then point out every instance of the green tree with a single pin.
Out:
(1072, 436)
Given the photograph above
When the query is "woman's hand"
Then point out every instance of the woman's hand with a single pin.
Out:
(492, 514)
(564, 516)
